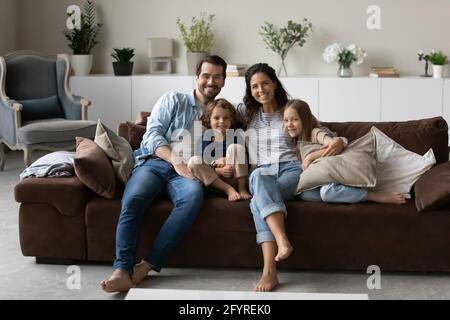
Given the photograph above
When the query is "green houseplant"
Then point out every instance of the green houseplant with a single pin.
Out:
(123, 66)
(282, 40)
(438, 60)
(83, 39)
(198, 38)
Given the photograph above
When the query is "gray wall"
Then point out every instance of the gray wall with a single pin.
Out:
(8, 26)
(406, 27)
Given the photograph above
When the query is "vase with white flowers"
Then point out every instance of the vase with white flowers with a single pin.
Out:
(344, 56)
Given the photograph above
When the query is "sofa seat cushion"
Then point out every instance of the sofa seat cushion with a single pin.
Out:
(55, 130)
(68, 195)
(217, 214)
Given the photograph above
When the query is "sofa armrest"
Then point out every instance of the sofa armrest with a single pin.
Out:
(68, 195)
(432, 190)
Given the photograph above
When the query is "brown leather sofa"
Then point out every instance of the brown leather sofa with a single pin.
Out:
(61, 220)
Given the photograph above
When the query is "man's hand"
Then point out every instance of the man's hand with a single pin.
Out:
(335, 147)
(226, 171)
(183, 170)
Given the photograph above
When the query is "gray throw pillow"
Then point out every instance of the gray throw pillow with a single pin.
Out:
(116, 148)
(355, 166)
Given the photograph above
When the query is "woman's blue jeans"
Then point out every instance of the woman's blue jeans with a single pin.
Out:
(146, 182)
(270, 186)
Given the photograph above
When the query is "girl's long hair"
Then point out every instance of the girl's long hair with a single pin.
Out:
(309, 122)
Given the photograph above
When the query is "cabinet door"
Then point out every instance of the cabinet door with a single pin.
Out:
(349, 99)
(446, 104)
(148, 89)
(234, 89)
(110, 97)
(306, 89)
(410, 99)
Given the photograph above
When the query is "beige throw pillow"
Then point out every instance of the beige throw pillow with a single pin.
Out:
(355, 166)
(116, 148)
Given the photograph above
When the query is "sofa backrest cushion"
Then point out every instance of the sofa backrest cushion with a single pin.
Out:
(417, 135)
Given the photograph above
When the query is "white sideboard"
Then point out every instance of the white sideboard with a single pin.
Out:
(118, 99)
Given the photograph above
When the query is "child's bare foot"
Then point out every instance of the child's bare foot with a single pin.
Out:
(140, 271)
(233, 195)
(386, 197)
(245, 195)
(268, 281)
(118, 282)
(284, 249)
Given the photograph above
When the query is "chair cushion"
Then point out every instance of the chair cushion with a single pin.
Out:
(44, 108)
(94, 169)
(55, 130)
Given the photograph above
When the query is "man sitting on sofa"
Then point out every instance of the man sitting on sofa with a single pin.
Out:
(157, 168)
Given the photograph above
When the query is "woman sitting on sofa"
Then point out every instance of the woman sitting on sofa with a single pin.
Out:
(275, 166)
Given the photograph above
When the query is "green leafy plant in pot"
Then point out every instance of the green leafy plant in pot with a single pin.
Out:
(83, 39)
(438, 60)
(123, 66)
(198, 39)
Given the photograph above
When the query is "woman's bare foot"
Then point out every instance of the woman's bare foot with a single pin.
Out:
(118, 282)
(233, 195)
(284, 249)
(268, 281)
(386, 197)
(140, 272)
(245, 195)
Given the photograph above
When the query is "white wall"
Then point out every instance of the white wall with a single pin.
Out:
(407, 26)
(8, 26)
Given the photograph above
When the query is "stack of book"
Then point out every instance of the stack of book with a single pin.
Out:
(236, 70)
(384, 72)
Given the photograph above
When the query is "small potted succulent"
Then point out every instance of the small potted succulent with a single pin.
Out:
(438, 60)
(123, 66)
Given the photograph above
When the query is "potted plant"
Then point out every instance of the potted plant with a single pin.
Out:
(438, 60)
(282, 40)
(123, 66)
(198, 39)
(83, 39)
(344, 56)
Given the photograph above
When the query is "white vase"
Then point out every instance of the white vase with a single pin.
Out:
(438, 71)
(81, 64)
(193, 58)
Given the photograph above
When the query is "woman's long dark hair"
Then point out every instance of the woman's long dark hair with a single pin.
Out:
(252, 105)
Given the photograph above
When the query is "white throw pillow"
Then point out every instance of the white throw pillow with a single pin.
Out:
(397, 168)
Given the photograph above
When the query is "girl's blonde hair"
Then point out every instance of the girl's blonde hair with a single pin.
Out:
(219, 103)
(309, 122)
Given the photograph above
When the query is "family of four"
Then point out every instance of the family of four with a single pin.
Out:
(275, 168)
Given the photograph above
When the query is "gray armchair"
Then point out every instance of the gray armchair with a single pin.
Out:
(37, 109)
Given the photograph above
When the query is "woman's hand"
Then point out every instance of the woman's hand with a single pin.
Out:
(219, 163)
(225, 171)
(335, 147)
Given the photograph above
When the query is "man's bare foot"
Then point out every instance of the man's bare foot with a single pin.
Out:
(118, 282)
(140, 272)
(268, 281)
(233, 195)
(386, 197)
(245, 195)
(284, 249)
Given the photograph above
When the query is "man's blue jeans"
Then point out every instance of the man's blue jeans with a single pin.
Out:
(270, 186)
(146, 182)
